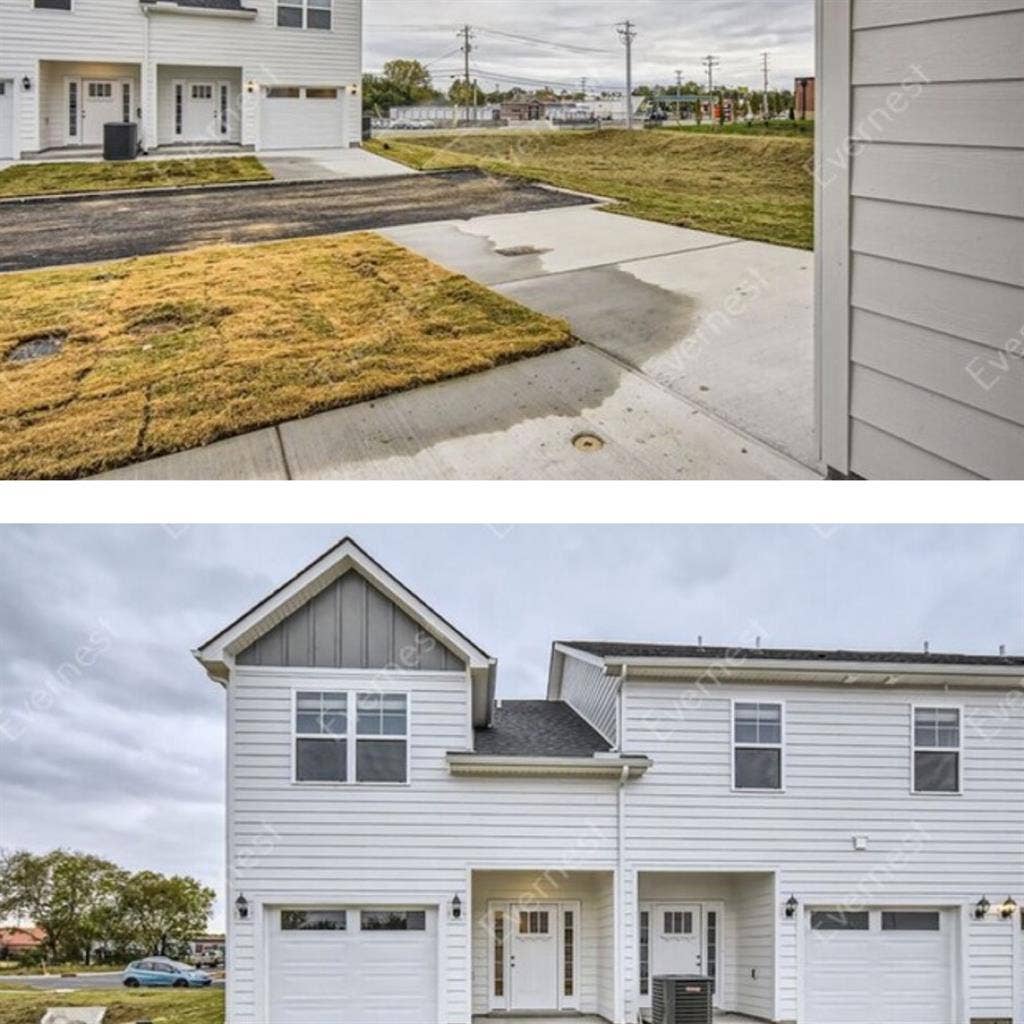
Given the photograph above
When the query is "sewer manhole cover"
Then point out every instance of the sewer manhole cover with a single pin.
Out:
(36, 347)
(587, 443)
(522, 250)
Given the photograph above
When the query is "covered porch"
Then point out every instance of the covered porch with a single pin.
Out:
(543, 944)
(76, 98)
(719, 925)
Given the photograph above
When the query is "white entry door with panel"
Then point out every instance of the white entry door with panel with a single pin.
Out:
(885, 966)
(534, 957)
(678, 939)
(361, 965)
(6, 119)
(90, 103)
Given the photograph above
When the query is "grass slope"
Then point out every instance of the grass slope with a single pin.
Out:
(756, 187)
(171, 352)
(162, 1006)
(59, 178)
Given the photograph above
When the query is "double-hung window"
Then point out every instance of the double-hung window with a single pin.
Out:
(937, 750)
(316, 14)
(52, 5)
(757, 746)
(351, 737)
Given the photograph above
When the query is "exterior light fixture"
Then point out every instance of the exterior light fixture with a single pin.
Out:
(242, 907)
(1009, 908)
(981, 908)
(791, 905)
(456, 907)
(26, 83)
(250, 86)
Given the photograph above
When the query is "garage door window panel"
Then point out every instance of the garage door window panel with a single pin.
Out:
(840, 920)
(314, 920)
(911, 921)
(757, 746)
(393, 920)
(937, 753)
(321, 736)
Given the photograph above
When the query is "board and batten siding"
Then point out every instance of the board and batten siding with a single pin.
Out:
(847, 765)
(344, 844)
(350, 624)
(592, 695)
(921, 237)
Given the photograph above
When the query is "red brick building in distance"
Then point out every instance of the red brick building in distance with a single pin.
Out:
(803, 99)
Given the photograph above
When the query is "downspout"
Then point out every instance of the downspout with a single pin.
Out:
(620, 866)
(147, 103)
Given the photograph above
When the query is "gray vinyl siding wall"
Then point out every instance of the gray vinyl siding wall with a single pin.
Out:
(936, 239)
(847, 771)
(593, 695)
(350, 624)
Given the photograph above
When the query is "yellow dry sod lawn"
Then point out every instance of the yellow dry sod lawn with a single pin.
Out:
(162, 1006)
(165, 353)
(59, 178)
(748, 186)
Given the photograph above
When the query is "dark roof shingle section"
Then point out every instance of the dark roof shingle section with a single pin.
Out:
(630, 650)
(212, 5)
(539, 728)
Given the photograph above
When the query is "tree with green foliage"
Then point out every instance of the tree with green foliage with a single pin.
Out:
(403, 83)
(158, 912)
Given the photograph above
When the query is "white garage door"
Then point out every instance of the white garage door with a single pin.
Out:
(353, 966)
(884, 966)
(6, 119)
(302, 117)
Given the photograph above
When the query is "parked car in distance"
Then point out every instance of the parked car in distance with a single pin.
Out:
(162, 971)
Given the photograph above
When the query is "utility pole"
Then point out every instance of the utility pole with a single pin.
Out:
(764, 60)
(583, 87)
(711, 62)
(627, 33)
(679, 96)
(467, 49)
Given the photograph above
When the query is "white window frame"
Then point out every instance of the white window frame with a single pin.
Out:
(958, 750)
(351, 692)
(303, 5)
(780, 746)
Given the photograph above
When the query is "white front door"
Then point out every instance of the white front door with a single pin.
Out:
(678, 932)
(534, 956)
(100, 103)
(200, 113)
(6, 119)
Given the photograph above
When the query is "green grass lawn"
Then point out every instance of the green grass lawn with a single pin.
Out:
(12, 967)
(798, 129)
(113, 363)
(752, 186)
(162, 1006)
(58, 178)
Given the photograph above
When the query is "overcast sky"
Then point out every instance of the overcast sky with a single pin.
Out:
(671, 34)
(111, 736)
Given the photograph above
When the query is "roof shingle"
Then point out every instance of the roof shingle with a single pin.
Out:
(539, 728)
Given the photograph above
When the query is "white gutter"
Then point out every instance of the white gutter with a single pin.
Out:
(607, 766)
(170, 7)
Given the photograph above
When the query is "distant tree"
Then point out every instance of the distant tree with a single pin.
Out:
(159, 912)
(64, 893)
(403, 83)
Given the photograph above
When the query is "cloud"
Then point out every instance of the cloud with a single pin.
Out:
(112, 737)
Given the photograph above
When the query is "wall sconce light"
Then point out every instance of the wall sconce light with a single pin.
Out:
(1009, 908)
(26, 83)
(456, 908)
(242, 908)
(791, 905)
(981, 908)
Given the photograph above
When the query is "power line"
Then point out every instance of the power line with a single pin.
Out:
(542, 42)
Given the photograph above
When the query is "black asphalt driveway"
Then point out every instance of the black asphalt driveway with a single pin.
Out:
(98, 228)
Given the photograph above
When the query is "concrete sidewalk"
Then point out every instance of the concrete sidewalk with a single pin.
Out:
(696, 364)
(324, 164)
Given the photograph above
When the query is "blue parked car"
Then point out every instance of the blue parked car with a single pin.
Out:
(160, 970)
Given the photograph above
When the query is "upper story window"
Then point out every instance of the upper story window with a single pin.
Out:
(53, 5)
(757, 746)
(304, 13)
(358, 737)
(937, 750)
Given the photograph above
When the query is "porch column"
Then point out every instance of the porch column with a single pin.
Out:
(150, 106)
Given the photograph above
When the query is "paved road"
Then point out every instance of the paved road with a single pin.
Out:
(83, 230)
(83, 981)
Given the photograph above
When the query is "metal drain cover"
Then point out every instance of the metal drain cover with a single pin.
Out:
(587, 443)
(36, 347)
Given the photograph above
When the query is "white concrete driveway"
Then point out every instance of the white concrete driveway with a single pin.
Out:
(324, 164)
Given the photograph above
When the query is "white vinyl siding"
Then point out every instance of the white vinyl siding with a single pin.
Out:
(848, 772)
(415, 842)
(934, 375)
(101, 34)
(592, 695)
